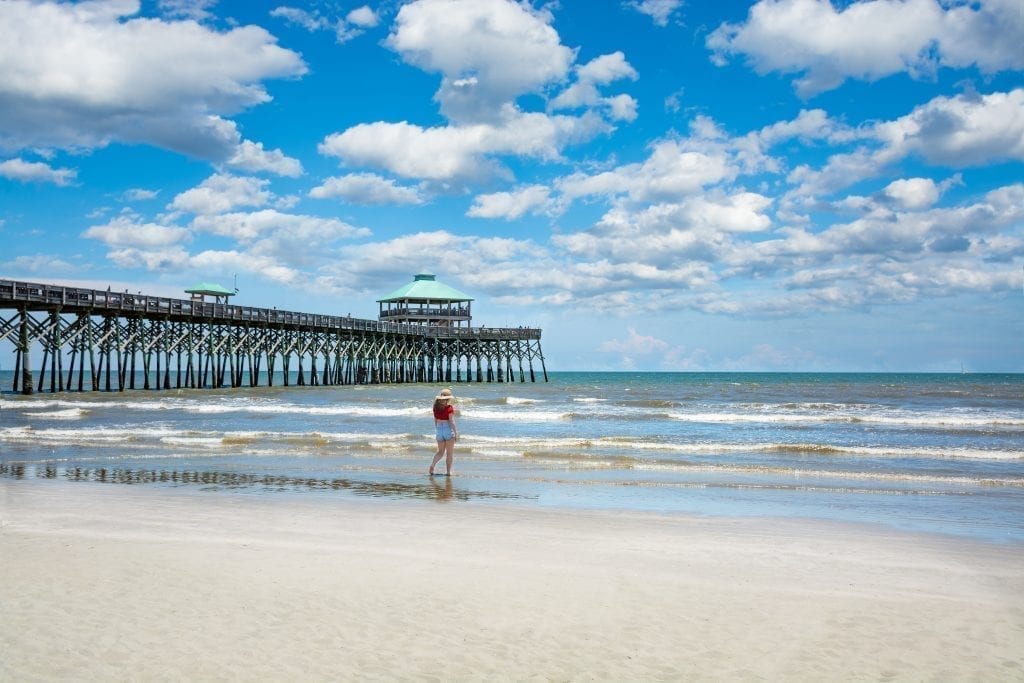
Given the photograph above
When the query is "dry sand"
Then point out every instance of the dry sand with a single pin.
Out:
(122, 583)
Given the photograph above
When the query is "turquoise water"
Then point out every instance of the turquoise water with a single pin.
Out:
(935, 453)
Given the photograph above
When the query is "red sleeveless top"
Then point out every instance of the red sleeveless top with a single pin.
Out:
(443, 412)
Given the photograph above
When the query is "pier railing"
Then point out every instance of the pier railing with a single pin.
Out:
(41, 297)
(215, 344)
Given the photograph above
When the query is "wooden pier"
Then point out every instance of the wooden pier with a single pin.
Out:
(94, 340)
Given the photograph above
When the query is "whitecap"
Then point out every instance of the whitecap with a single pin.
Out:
(66, 414)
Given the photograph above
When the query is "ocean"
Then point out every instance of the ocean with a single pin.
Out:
(934, 453)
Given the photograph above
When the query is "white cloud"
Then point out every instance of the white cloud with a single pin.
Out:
(622, 107)
(82, 75)
(36, 171)
(670, 172)
(986, 34)
(232, 261)
(37, 264)
(139, 194)
(169, 259)
(600, 71)
(658, 10)
(912, 193)
(673, 237)
(964, 130)
(489, 52)
(366, 188)
(311, 21)
(511, 205)
(469, 260)
(961, 131)
(127, 231)
(250, 156)
(812, 124)
(268, 223)
(453, 152)
(872, 39)
(607, 69)
(886, 256)
(221, 193)
(272, 245)
(363, 17)
(353, 25)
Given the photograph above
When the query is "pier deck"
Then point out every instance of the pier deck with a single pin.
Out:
(108, 337)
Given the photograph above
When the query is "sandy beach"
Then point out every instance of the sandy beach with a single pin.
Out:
(141, 583)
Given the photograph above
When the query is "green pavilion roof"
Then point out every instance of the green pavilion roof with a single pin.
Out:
(425, 287)
(209, 288)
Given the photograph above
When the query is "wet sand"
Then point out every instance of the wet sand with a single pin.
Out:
(140, 583)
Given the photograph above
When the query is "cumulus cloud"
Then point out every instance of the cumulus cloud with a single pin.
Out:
(888, 256)
(598, 72)
(221, 193)
(488, 52)
(36, 171)
(37, 265)
(251, 157)
(80, 76)
(962, 131)
(476, 262)
(810, 124)
(671, 235)
(345, 29)
(912, 193)
(234, 261)
(452, 152)
(300, 230)
(512, 205)
(672, 171)
(129, 231)
(658, 10)
(269, 244)
(872, 39)
(363, 16)
(366, 188)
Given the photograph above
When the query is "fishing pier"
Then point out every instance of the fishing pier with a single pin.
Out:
(95, 340)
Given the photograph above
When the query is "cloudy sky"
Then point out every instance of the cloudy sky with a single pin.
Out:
(658, 184)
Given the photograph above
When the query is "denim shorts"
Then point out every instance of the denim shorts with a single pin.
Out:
(444, 430)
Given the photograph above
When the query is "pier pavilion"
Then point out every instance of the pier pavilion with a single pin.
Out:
(94, 340)
(425, 301)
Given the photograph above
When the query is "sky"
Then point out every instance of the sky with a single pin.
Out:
(660, 185)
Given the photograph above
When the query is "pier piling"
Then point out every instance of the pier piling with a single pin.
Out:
(220, 345)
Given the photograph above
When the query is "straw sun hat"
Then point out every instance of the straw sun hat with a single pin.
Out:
(445, 395)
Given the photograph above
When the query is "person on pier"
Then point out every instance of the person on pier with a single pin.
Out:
(447, 432)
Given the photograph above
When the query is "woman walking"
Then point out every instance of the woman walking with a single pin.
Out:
(447, 432)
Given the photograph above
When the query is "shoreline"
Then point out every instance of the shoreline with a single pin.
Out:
(130, 583)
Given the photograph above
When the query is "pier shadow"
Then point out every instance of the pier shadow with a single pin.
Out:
(441, 489)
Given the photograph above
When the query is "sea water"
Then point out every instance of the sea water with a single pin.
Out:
(923, 452)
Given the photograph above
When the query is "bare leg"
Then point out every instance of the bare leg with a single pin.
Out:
(449, 448)
(437, 456)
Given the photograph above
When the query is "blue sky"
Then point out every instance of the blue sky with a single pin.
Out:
(658, 184)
